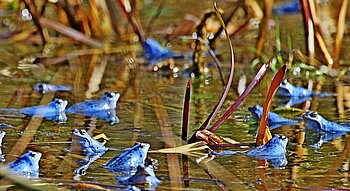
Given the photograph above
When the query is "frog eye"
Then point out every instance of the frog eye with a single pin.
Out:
(40, 87)
(283, 137)
(81, 172)
(32, 154)
(109, 94)
(83, 132)
(284, 82)
(313, 114)
(58, 101)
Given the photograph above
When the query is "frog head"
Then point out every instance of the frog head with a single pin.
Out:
(59, 104)
(143, 148)
(2, 135)
(81, 134)
(89, 145)
(40, 87)
(313, 120)
(109, 100)
(256, 111)
(32, 158)
(285, 89)
(277, 145)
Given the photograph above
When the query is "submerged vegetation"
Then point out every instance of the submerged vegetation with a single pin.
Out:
(95, 53)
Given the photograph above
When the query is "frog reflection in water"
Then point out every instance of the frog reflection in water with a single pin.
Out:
(295, 94)
(316, 122)
(103, 108)
(325, 130)
(274, 120)
(129, 160)
(274, 151)
(144, 176)
(27, 164)
(52, 111)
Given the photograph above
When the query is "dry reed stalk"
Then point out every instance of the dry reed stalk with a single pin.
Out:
(309, 29)
(324, 49)
(31, 7)
(96, 74)
(340, 31)
(74, 34)
(19, 180)
(169, 140)
(268, 4)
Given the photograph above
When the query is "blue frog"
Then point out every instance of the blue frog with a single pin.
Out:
(274, 120)
(286, 89)
(292, 95)
(287, 8)
(316, 122)
(53, 111)
(87, 144)
(27, 164)
(45, 88)
(154, 52)
(129, 160)
(91, 148)
(107, 101)
(2, 135)
(274, 151)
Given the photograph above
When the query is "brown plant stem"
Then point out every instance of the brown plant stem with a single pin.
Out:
(264, 26)
(186, 111)
(264, 133)
(340, 31)
(261, 73)
(70, 32)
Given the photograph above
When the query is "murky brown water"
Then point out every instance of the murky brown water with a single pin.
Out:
(150, 111)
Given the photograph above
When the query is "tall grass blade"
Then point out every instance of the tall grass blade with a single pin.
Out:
(261, 73)
(264, 133)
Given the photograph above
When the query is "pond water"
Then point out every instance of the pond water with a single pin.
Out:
(150, 110)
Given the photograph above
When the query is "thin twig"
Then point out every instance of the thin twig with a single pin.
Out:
(186, 111)
(155, 17)
(226, 21)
